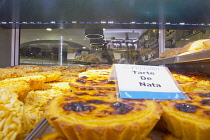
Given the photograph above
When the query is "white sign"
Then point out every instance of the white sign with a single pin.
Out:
(145, 82)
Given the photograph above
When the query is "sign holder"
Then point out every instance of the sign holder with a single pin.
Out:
(145, 82)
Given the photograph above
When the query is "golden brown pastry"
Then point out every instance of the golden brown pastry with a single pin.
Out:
(52, 136)
(187, 119)
(92, 83)
(96, 117)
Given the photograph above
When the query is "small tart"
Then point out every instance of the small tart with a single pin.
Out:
(90, 83)
(187, 119)
(89, 117)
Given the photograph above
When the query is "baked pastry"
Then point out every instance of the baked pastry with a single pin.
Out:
(192, 47)
(92, 83)
(23, 85)
(27, 68)
(11, 115)
(91, 118)
(62, 86)
(10, 73)
(100, 67)
(52, 136)
(34, 107)
(58, 136)
(187, 119)
(49, 75)
(206, 45)
(96, 73)
(170, 53)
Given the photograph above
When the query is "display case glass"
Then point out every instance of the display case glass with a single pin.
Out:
(82, 33)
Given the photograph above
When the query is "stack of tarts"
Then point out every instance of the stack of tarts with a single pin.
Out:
(94, 112)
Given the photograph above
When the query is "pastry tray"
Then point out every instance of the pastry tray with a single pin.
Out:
(44, 128)
(202, 55)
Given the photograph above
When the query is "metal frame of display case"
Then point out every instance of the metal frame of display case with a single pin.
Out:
(199, 62)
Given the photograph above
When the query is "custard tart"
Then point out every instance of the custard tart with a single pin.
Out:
(96, 117)
(91, 83)
(187, 119)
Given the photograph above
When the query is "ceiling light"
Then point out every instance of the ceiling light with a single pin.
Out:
(49, 29)
(94, 33)
(103, 22)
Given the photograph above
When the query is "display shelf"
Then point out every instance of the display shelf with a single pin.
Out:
(203, 55)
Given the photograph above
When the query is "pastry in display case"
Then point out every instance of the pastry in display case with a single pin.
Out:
(88, 97)
(25, 89)
(192, 47)
(86, 57)
(97, 117)
(49, 92)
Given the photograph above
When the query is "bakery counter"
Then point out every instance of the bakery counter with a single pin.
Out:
(198, 56)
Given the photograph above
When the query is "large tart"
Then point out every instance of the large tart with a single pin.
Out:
(88, 117)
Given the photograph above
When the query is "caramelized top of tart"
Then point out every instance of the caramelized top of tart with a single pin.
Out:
(99, 109)
(190, 109)
(93, 83)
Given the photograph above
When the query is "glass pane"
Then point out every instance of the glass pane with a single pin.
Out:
(71, 46)
(149, 45)
(177, 39)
